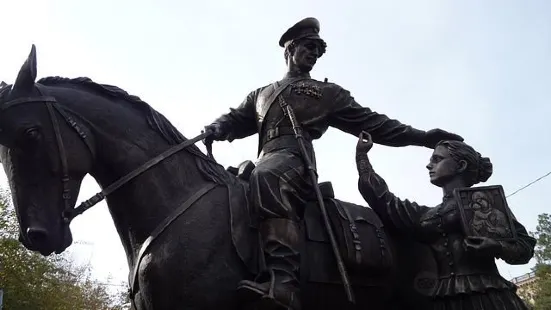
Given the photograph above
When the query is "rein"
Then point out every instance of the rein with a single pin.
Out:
(87, 204)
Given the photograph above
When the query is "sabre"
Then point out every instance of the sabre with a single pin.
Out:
(313, 176)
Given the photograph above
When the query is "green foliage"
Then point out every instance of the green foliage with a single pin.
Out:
(34, 282)
(542, 290)
(543, 235)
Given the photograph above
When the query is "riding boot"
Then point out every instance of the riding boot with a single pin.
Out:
(277, 287)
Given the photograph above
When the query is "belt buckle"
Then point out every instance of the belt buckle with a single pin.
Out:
(273, 133)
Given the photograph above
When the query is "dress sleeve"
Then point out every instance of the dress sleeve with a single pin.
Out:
(519, 251)
(402, 215)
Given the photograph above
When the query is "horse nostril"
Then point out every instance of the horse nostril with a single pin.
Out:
(37, 236)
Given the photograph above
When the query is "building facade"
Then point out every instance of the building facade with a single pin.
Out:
(526, 286)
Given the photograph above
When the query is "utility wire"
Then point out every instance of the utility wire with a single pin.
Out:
(110, 284)
(529, 184)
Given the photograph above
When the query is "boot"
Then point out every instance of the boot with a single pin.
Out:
(278, 286)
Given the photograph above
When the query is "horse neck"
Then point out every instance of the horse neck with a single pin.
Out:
(124, 141)
(138, 207)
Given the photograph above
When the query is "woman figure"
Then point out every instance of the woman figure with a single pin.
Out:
(467, 276)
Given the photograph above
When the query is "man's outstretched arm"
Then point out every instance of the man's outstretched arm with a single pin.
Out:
(350, 117)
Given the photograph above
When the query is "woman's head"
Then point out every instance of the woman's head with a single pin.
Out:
(453, 160)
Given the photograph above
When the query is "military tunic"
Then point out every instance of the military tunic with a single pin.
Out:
(317, 106)
(280, 184)
(464, 280)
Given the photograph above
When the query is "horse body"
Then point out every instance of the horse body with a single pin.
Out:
(195, 253)
(193, 264)
(198, 260)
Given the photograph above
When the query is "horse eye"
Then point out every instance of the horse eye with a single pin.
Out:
(32, 133)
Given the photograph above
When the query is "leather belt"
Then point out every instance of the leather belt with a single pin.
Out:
(277, 132)
(283, 138)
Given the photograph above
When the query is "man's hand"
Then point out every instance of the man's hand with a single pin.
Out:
(433, 136)
(365, 143)
(217, 133)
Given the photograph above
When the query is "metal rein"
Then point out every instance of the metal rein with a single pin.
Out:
(69, 213)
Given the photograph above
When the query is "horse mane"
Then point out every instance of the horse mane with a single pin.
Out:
(158, 122)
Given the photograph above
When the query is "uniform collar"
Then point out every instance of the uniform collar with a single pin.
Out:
(292, 75)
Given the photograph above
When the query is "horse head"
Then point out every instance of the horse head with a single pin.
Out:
(44, 160)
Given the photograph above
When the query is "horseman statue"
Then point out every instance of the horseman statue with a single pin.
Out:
(280, 183)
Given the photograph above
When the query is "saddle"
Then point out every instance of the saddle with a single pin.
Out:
(362, 241)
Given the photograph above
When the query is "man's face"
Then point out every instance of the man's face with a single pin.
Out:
(306, 54)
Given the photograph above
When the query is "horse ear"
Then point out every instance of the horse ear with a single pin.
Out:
(27, 73)
(3, 84)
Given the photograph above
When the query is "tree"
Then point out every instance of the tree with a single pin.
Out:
(31, 281)
(542, 291)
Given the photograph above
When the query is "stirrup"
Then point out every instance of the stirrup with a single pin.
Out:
(265, 295)
(271, 287)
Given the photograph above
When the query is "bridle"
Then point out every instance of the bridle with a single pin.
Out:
(52, 106)
(69, 213)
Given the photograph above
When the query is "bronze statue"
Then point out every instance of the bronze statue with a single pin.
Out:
(466, 275)
(279, 183)
(184, 221)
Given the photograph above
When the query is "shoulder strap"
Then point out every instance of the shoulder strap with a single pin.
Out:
(277, 90)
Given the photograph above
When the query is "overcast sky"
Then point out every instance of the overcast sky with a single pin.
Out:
(479, 68)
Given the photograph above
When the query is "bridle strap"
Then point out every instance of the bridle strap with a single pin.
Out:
(83, 136)
(66, 194)
(50, 102)
(41, 99)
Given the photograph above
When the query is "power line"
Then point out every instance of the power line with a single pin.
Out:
(529, 184)
(110, 284)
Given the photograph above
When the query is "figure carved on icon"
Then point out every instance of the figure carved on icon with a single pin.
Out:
(485, 212)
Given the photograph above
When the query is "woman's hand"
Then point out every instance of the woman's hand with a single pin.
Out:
(482, 246)
(364, 142)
